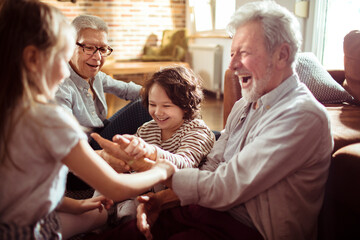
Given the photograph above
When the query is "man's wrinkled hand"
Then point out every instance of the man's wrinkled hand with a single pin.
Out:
(147, 213)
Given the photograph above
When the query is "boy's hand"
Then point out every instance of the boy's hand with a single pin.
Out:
(135, 146)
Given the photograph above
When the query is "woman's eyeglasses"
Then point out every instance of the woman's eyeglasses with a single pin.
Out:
(90, 50)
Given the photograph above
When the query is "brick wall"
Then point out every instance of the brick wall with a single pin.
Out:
(130, 21)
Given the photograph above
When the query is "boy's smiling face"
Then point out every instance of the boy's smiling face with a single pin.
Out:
(167, 115)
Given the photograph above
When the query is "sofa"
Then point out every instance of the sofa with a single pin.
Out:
(339, 92)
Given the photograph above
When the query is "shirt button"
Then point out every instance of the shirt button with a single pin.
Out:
(267, 107)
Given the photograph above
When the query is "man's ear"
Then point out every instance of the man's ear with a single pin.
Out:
(31, 57)
(283, 54)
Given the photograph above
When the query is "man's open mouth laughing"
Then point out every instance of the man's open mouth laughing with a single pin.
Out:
(244, 78)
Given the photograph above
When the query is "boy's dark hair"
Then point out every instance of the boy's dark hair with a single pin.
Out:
(181, 85)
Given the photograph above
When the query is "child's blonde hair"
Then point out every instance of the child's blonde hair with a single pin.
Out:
(26, 23)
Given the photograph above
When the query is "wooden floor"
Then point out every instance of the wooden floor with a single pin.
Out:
(211, 111)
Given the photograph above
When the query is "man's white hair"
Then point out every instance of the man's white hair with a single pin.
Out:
(278, 23)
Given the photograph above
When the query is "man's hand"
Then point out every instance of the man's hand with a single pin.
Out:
(147, 213)
(150, 207)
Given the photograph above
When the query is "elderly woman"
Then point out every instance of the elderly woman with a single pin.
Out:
(83, 93)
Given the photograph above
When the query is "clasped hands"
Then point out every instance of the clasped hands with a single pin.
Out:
(126, 152)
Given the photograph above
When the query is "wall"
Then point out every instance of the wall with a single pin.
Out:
(130, 21)
(225, 44)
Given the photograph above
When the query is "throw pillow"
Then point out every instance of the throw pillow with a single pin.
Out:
(324, 88)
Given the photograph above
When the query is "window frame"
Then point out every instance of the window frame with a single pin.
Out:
(213, 31)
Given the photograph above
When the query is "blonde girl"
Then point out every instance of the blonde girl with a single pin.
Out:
(39, 141)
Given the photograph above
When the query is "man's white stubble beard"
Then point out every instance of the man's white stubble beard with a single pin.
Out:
(258, 87)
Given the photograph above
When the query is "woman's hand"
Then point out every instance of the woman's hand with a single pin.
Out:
(118, 165)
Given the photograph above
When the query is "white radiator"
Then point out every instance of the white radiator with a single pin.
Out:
(206, 61)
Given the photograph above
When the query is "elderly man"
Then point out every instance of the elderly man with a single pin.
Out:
(266, 174)
(83, 93)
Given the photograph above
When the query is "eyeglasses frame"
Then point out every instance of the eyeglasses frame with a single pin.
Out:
(96, 49)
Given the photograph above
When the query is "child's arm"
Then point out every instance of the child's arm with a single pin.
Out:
(88, 165)
(193, 147)
(75, 206)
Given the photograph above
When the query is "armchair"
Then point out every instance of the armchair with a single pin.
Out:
(174, 46)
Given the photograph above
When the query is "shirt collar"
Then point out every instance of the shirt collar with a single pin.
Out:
(272, 97)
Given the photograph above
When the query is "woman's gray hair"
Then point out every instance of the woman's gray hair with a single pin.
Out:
(279, 25)
(89, 21)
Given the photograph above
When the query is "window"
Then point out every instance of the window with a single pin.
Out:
(211, 15)
(338, 18)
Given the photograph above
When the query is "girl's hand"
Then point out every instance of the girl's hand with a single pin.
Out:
(74, 206)
(99, 202)
(166, 167)
(136, 147)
